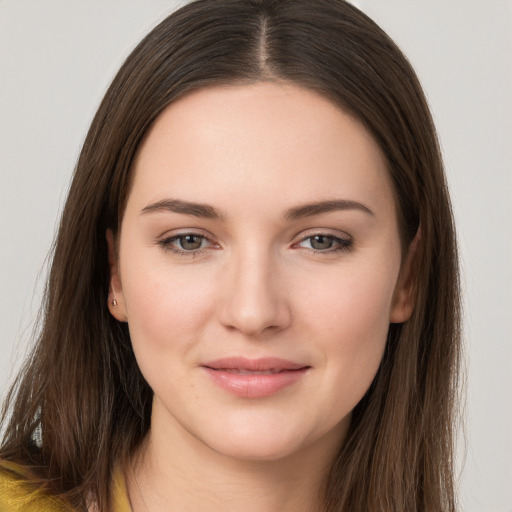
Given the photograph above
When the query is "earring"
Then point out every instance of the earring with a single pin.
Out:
(114, 302)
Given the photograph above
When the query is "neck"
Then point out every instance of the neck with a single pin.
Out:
(175, 471)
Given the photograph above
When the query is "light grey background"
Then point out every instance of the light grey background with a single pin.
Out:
(57, 58)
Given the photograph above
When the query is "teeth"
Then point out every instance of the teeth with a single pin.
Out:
(242, 371)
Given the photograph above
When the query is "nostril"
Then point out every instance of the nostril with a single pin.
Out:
(252, 301)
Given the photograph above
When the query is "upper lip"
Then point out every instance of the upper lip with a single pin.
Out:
(261, 364)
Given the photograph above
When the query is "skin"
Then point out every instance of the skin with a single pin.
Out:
(259, 286)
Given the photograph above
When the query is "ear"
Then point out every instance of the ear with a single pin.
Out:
(115, 298)
(404, 296)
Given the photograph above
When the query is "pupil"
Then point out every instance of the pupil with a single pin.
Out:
(191, 242)
(321, 242)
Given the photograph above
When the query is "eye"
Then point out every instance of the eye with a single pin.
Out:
(189, 242)
(325, 243)
(186, 244)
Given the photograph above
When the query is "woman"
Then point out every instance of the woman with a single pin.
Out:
(253, 302)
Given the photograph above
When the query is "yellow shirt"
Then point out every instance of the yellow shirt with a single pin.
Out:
(15, 496)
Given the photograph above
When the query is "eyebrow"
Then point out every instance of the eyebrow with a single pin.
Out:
(312, 209)
(210, 212)
(185, 207)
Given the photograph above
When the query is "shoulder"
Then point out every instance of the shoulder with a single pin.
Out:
(17, 494)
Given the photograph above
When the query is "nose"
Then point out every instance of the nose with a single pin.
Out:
(254, 299)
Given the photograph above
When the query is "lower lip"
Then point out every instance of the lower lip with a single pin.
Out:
(255, 385)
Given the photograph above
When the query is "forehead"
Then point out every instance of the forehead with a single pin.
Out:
(267, 141)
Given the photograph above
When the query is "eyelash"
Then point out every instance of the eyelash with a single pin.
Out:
(166, 244)
(344, 245)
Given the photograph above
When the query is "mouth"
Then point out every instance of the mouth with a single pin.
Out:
(264, 364)
(243, 371)
(254, 378)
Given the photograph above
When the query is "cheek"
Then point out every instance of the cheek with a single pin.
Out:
(349, 319)
(349, 301)
(167, 311)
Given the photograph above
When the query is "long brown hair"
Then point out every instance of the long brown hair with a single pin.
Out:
(81, 387)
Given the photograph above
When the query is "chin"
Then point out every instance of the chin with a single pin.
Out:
(268, 441)
(262, 450)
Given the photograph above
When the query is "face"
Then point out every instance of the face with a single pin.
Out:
(259, 268)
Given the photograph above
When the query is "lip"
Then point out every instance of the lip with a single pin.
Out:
(245, 378)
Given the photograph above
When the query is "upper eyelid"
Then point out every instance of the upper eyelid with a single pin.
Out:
(341, 235)
(169, 233)
(174, 237)
(343, 241)
(329, 235)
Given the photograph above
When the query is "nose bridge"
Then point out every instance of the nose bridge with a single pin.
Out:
(254, 301)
